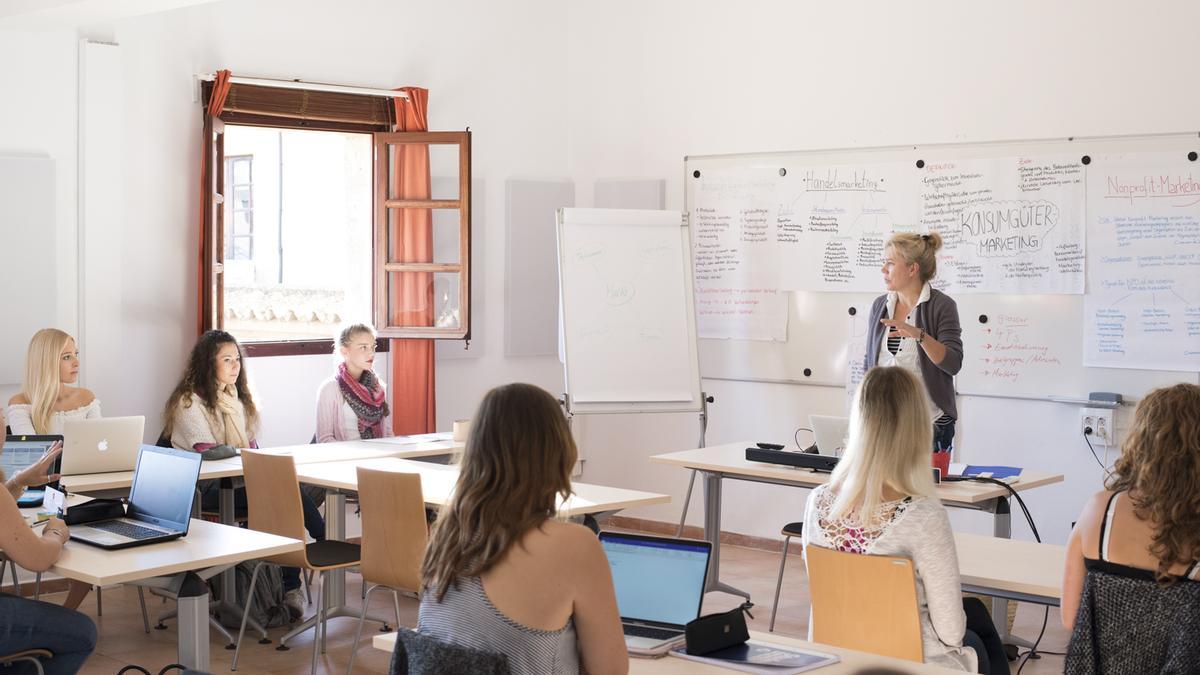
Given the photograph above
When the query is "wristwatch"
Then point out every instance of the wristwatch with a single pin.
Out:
(922, 338)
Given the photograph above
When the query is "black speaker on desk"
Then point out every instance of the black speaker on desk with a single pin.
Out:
(801, 460)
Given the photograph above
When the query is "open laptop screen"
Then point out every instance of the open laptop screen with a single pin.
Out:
(656, 578)
(20, 451)
(164, 486)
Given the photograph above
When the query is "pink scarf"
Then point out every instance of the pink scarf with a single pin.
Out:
(366, 398)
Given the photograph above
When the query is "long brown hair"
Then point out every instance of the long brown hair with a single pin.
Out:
(200, 378)
(1159, 467)
(518, 460)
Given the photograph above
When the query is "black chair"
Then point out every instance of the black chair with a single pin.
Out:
(418, 654)
(790, 530)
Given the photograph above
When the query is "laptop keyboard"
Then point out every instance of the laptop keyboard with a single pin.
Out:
(127, 529)
(652, 633)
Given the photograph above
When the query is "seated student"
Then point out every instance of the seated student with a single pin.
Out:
(211, 411)
(46, 401)
(501, 573)
(879, 501)
(353, 403)
(1131, 589)
(26, 623)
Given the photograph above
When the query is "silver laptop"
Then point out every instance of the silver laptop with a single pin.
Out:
(160, 503)
(101, 444)
(830, 433)
(659, 583)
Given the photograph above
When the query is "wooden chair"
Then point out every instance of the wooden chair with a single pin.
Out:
(273, 501)
(864, 602)
(394, 536)
(33, 656)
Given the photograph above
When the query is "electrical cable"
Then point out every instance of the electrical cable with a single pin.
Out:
(1087, 431)
(796, 436)
(1034, 650)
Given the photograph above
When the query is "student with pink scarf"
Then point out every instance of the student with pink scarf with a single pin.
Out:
(353, 403)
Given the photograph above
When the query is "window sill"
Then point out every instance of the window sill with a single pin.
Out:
(298, 347)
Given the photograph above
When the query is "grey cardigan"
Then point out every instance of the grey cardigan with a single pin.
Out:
(938, 317)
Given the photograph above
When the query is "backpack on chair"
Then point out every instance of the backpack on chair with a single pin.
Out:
(266, 607)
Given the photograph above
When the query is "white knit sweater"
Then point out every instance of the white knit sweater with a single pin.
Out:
(194, 423)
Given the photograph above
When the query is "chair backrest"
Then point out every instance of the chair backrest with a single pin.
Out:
(273, 501)
(864, 602)
(394, 530)
(418, 654)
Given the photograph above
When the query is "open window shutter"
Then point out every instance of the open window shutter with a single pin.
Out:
(212, 245)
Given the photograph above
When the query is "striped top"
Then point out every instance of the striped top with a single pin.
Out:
(467, 617)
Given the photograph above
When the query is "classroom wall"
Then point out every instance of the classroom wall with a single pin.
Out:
(653, 82)
(584, 91)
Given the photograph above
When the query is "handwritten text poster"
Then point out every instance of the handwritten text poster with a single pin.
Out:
(1008, 225)
(1142, 309)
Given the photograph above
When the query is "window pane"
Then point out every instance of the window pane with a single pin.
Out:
(443, 163)
(307, 215)
(241, 171)
(241, 248)
(408, 243)
(432, 297)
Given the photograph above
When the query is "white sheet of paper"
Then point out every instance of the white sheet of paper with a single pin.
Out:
(53, 501)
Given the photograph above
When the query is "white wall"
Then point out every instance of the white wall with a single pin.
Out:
(597, 90)
(653, 82)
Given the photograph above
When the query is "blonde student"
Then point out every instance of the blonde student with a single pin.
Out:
(880, 501)
(1131, 589)
(47, 398)
(353, 403)
(502, 574)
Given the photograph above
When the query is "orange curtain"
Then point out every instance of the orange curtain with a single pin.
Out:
(216, 103)
(410, 236)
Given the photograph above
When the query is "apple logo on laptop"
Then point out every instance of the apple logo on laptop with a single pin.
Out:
(102, 446)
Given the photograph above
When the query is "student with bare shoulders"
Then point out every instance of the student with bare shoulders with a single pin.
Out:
(1131, 589)
(47, 399)
(501, 573)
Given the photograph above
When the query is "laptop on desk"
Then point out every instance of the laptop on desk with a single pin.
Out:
(160, 502)
(659, 582)
(22, 451)
(101, 444)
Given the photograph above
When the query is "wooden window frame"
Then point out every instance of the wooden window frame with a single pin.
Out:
(384, 204)
(212, 264)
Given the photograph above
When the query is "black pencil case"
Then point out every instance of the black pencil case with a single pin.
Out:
(711, 632)
(94, 510)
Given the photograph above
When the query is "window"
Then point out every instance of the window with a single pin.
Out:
(239, 209)
(312, 225)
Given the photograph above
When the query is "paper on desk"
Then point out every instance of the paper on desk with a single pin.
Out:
(53, 501)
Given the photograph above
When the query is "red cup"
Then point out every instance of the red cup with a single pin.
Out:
(941, 460)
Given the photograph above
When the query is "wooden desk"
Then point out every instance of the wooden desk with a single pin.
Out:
(1012, 569)
(165, 566)
(122, 480)
(852, 661)
(437, 482)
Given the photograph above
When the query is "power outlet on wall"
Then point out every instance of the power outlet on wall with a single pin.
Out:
(1100, 421)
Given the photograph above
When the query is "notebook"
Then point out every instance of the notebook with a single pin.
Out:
(160, 503)
(659, 582)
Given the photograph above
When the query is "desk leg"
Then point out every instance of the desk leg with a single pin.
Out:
(712, 532)
(229, 601)
(1002, 527)
(193, 623)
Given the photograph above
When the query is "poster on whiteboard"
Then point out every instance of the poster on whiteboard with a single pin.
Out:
(1008, 224)
(736, 274)
(833, 222)
(1142, 309)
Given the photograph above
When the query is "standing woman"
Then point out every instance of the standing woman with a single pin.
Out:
(46, 399)
(212, 411)
(916, 327)
(501, 573)
(353, 403)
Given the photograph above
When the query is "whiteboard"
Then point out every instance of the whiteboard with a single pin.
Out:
(27, 258)
(819, 334)
(628, 324)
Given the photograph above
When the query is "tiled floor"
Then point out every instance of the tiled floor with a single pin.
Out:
(122, 640)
